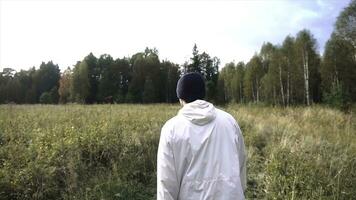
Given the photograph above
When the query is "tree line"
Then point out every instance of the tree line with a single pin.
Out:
(286, 74)
(294, 73)
(141, 78)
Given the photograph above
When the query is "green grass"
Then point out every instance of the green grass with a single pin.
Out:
(109, 151)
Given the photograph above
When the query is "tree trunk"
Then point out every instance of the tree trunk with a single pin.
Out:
(306, 75)
(288, 83)
(281, 83)
(253, 93)
(354, 45)
(307, 81)
(240, 92)
(257, 91)
(336, 73)
(274, 95)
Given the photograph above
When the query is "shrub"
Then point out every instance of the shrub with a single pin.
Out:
(46, 98)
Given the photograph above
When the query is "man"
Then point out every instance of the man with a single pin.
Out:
(201, 153)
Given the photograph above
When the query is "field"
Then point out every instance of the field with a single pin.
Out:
(109, 151)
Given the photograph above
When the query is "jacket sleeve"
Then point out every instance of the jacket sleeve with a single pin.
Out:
(242, 158)
(167, 181)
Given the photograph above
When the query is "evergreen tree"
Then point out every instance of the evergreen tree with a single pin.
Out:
(93, 71)
(339, 68)
(46, 78)
(208, 67)
(108, 78)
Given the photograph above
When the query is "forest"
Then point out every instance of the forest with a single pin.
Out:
(290, 73)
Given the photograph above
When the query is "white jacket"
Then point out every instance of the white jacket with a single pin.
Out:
(201, 155)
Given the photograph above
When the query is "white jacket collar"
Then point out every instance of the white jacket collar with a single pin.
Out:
(199, 112)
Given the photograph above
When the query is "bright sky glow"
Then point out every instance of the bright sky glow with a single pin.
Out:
(66, 31)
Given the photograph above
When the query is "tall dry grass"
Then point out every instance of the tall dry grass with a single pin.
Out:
(109, 151)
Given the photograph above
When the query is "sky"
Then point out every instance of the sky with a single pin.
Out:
(66, 31)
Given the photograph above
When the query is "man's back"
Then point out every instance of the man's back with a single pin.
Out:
(201, 155)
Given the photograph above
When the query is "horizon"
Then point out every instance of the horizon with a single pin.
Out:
(62, 31)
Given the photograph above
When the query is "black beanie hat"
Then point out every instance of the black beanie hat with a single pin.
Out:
(191, 87)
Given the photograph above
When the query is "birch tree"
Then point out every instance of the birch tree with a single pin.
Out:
(309, 61)
(288, 53)
(252, 79)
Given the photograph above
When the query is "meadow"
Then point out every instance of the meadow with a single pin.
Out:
(109, 151)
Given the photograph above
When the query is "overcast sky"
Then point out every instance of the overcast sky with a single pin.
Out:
(66, 31)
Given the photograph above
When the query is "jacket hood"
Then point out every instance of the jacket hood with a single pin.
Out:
(199, 112)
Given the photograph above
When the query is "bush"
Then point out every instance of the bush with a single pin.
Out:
(337, 97)
(46, 98)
